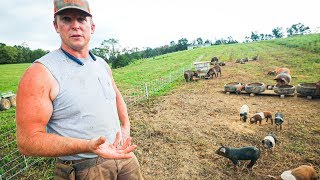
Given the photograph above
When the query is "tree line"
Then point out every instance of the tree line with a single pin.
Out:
(19, 54)
(111, 52)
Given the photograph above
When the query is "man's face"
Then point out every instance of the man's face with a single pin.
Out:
(75, 29)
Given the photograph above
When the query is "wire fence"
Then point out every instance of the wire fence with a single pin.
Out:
(14, 165)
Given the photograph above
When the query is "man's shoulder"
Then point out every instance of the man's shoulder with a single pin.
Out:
(51, 55)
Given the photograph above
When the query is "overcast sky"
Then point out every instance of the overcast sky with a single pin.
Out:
(153, 23)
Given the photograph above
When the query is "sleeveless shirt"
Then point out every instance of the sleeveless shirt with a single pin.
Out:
(85, 106)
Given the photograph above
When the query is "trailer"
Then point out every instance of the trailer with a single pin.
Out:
(202, 68)
(7, 100)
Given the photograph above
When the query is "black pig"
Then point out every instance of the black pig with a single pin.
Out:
(235, 154)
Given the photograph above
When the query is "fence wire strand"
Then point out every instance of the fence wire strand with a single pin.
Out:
(14, 165)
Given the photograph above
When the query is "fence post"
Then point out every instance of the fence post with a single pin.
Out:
(146, 89)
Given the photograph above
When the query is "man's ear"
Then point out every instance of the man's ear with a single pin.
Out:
(56, 26)
(93, 28)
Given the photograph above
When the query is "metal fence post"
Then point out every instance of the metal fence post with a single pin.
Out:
(146, 89)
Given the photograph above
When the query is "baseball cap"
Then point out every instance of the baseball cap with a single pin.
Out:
(60, 5)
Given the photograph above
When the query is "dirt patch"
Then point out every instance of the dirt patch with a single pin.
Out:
(177, 134)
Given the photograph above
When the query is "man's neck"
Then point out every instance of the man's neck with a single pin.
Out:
(83, 53)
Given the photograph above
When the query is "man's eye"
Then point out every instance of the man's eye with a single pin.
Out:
(81, 19)
(66, 19)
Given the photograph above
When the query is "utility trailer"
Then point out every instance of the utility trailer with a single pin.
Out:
(7, 100)
(202, 68)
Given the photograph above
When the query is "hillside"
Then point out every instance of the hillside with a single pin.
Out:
(192, 119)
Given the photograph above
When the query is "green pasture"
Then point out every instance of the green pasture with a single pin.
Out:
(301, 54)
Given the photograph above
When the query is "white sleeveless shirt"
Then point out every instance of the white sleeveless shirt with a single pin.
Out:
(85, 106)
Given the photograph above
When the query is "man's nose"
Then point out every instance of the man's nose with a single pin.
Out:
(75, 24)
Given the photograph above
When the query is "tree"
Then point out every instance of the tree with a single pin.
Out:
(247, 39)
(277, 32)
(298, 29)
(8, 55)
(254, 36)
(207, 41)
(231, 40)
(182, 44)
(199, 40)
(109, 47)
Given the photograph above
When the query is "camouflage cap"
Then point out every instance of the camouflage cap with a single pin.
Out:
(60, 5)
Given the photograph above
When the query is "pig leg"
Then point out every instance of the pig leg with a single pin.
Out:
(250, 165)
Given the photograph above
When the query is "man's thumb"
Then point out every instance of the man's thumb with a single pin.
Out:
(99, 141)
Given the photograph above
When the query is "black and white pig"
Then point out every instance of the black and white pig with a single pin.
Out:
(278, 119)
(244, 111)
(269, 142)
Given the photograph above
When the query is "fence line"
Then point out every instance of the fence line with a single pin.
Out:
(14, 165)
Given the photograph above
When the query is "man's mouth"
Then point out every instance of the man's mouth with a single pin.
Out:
(76, 36)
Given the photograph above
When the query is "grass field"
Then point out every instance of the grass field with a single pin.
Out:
(301, 54)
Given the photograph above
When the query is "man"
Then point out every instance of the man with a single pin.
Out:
(69, 107)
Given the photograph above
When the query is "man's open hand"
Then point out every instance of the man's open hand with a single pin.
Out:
(102, 148)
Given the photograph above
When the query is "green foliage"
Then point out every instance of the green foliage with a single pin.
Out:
(277, 32)
(19, 54)
(298, 29)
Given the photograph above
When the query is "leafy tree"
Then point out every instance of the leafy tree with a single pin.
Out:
(8, 55)
(247, 39)
(199, 40)
(298, 29)
(254, 36)
(220, 41)
(207, 41)
(231, 40)
(277, 32)
(182, 44)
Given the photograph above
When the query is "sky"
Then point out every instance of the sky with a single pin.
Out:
(154, 23)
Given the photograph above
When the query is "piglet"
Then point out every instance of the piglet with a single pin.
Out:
(278, 120)
(240, 88)
(303, 172)
(261, 116)
(235, 154)
(244, 111)
(269, 141)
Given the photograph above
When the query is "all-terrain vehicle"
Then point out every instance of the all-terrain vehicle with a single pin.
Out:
(7, 100)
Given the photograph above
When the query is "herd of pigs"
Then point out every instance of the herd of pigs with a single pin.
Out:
(252, 153)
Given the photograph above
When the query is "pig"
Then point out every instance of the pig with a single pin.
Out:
(244, 111)
(240, 88)
(188, 75)
(278, 120)
(269, 142)
(260, 116)
(283, 79)
(235, 154)
(283, 76)
(282, 70)
(214, 59)
(222, 63)
(254, 58)
(271, 73)
(303, 172)
(214, 71)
